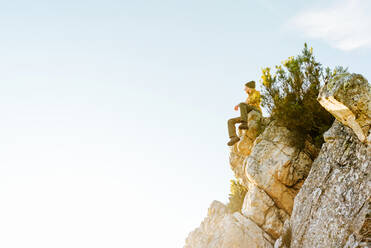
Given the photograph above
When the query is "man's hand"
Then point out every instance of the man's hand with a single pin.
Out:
(236, 108)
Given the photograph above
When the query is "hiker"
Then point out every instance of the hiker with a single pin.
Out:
(252, 103)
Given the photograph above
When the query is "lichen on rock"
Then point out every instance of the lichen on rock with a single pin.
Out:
(348, 98)
(333, 202)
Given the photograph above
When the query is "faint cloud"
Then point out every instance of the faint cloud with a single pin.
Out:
(345, 25)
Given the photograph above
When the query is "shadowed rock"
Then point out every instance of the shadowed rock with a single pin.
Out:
(332, 206)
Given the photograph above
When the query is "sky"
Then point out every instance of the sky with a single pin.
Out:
(114, 113)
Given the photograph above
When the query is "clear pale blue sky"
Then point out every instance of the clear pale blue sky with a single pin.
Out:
(114, 113)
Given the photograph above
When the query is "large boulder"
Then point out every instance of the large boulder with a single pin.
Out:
(332, 207)
(221, 229)
(260, 208)
(273, 172)
(277, 166)
(348, 98)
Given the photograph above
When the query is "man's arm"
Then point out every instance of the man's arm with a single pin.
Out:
(248, 99)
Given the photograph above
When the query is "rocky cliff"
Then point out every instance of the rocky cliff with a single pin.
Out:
(300, 197)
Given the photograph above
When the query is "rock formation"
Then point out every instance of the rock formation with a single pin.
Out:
(221, 229)
(300, 197)
(347, 97)
(277, 166)
(332, 208)
(261, 209)
(332, 204)
(273, 170)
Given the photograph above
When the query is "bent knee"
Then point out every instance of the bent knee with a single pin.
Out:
(233, 121)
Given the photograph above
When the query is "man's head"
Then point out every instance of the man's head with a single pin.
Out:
(249, 86)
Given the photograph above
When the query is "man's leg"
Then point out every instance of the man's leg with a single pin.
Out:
(244, 110)
(231, 126)
(232, 130)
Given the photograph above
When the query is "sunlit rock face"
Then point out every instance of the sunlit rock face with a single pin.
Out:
(221, 229)
(262, 210)
(272, 170)
(332, 207)
(348, 98)
(273, 174)
(277, 166)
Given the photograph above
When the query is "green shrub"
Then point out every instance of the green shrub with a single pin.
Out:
(236, 197)
(290, 95)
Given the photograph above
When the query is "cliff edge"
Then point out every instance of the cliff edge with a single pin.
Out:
(300, 197)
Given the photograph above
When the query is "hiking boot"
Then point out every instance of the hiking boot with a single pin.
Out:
(243, 126)
(233, 141)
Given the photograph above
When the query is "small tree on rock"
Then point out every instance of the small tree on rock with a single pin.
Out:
(236, 197)
(290, 95)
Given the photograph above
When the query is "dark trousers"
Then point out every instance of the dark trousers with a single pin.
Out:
(244, 112)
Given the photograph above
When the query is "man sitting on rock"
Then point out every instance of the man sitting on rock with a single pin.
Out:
(252, 103)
